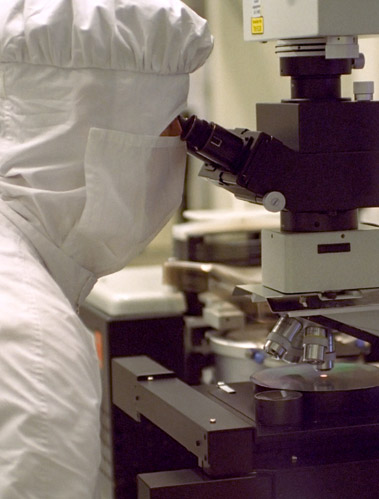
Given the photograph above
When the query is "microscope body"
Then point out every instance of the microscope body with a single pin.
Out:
(315, 159)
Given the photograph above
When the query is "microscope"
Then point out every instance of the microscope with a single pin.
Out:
(308, 429)
(315, 160)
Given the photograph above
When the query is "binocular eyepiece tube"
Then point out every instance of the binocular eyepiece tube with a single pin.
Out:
(213, 144)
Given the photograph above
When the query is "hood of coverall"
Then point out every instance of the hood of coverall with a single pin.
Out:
(69, 68)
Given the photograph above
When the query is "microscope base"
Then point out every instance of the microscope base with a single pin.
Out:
(328, 455)
(333, 481)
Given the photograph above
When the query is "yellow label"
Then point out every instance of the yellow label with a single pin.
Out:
(257, 26)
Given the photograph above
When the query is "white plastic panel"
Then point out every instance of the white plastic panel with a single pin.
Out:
(291, 262)
(282, 19)
(136, 292)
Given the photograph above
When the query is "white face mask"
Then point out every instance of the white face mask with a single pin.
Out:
(134, 183)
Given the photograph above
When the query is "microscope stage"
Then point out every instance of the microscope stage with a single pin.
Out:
(305, 378)
(331, 420)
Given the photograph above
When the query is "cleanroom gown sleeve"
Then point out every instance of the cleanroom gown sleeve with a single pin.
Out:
(49, 383)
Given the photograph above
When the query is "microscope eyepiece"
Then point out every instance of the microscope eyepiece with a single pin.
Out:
(213, 144)
(195, 131)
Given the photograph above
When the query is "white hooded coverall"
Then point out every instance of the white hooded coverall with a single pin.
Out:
(86, 88)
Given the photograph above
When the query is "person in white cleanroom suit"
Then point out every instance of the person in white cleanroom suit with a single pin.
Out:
(86, 181)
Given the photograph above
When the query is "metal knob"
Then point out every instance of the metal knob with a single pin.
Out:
(274, 201)
(363, 90)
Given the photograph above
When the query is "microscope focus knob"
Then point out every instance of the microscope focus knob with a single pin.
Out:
(274, 201)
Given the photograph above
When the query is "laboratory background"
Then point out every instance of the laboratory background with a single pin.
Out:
(186, 329)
